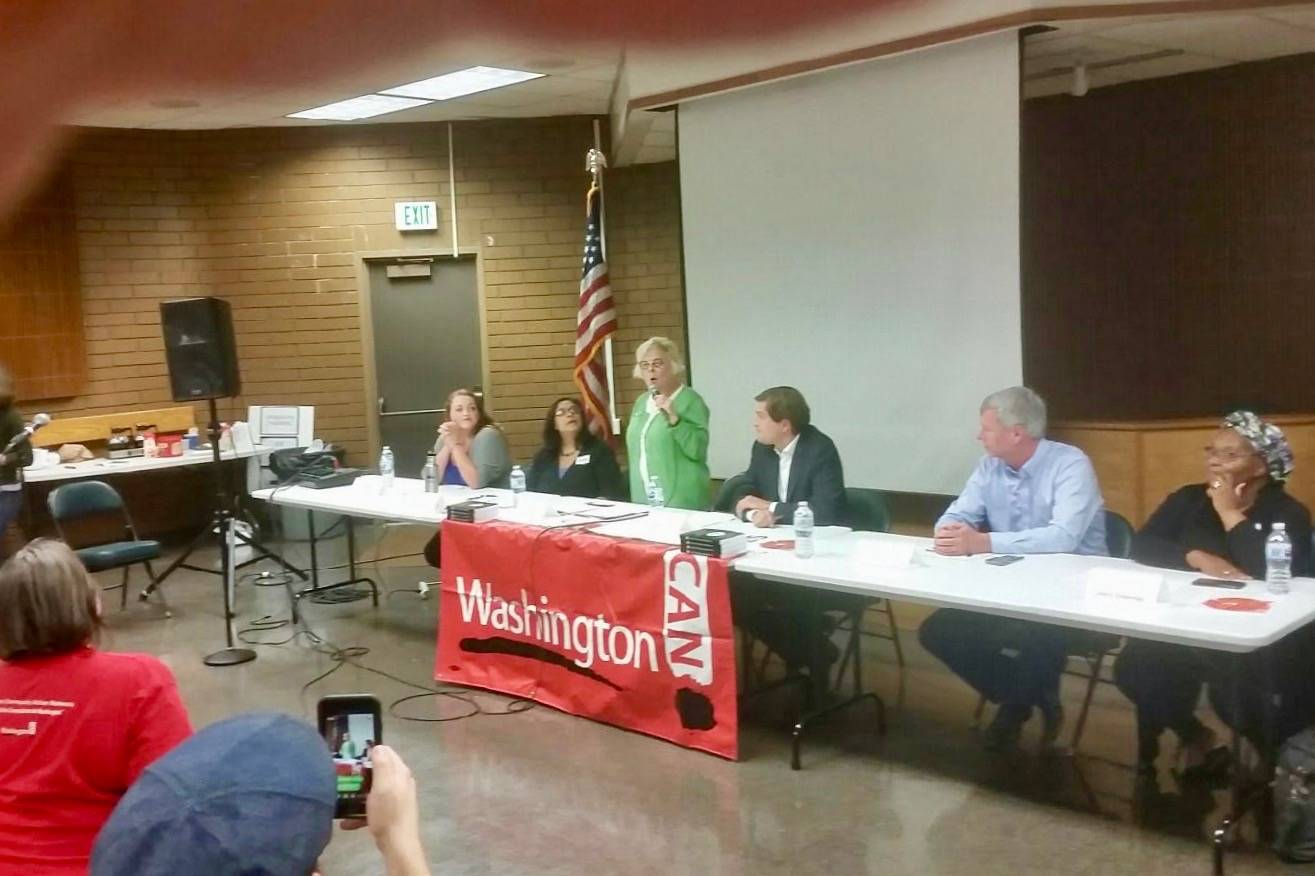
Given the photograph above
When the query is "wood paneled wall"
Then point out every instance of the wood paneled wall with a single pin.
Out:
(41, 336)
(1168, 251)
(1141, 463)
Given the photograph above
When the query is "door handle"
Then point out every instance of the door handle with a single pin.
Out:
(384, 413)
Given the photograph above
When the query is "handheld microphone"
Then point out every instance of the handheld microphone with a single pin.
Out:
(653, 390)
(38, 421)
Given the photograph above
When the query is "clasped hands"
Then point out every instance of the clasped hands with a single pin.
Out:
(959, 539)
(454, 437)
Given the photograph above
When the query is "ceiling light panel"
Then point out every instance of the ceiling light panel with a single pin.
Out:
(363, 107)
(469, 81)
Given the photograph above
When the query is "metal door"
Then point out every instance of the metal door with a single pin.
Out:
(426, 343)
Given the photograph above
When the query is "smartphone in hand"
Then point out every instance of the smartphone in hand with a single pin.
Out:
(351, 725)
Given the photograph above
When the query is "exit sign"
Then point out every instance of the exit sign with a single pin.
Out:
(416, 215)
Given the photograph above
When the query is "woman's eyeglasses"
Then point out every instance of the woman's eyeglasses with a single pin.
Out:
(1225, 454)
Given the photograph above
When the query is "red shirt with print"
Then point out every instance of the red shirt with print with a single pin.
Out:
(76, 730)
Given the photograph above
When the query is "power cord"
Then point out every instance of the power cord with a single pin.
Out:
(351, 654)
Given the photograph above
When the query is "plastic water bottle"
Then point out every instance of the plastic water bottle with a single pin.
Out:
(386, 468)
(517, 481)
(803, 531)
(657, 498)
(1278, 559)
(429, 474)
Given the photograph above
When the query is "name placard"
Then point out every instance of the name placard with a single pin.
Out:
(1126, 586)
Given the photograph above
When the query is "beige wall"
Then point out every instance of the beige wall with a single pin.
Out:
(277, 220)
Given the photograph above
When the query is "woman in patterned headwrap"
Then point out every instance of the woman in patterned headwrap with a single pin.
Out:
(1217, 528)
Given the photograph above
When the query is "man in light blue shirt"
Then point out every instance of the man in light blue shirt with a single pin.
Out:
(1028, 495)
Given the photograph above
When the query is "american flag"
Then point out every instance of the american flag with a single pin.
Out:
(595, 321)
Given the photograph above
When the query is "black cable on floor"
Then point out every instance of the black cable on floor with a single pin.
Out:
(350, 654)
(365, 562)
(414, 591)
(340, 595)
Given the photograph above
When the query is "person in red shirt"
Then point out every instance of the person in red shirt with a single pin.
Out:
(77, 725)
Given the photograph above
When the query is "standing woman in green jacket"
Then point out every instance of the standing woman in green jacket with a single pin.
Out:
(11, 465)
(668, 433)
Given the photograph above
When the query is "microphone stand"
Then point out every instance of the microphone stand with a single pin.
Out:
(231, 655)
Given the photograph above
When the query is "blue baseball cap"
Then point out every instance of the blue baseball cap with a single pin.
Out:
(251, 795)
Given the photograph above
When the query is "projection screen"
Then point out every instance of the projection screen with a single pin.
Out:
(855, 233)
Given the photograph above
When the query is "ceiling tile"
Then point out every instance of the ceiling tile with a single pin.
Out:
(1234, 37)
(1300, 16)
(1186, 63)
(1063, 53)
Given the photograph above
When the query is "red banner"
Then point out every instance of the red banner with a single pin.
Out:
(630, 633)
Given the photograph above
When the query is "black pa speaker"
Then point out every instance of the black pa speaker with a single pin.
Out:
(198, 345)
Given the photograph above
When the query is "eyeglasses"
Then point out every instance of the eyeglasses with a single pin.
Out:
(653, 365)
(561, 412)
(1226, 454)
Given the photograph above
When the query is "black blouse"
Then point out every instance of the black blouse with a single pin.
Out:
(593, 475)
(1187, 521)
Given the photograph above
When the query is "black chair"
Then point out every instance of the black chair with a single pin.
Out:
(725, 501)
(1093, 648)
(84, 500)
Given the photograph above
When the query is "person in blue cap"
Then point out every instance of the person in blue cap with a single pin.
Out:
(253, 795)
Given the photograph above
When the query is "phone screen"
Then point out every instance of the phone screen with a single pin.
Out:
(351, 726)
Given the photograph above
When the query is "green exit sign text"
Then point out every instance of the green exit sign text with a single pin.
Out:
(416, 215)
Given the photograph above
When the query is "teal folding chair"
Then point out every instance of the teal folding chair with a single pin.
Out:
(1093, 648)
(82, 501)
(1096, 648)
(866, 511)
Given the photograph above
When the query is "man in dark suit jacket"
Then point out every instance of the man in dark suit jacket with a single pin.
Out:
(791, 462)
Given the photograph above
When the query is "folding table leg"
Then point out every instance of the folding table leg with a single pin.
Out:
(802, 725)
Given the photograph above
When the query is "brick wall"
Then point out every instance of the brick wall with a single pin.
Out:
(644, 255)
(41, 341)
(276, 221)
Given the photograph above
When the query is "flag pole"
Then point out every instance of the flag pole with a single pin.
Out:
(597, 162)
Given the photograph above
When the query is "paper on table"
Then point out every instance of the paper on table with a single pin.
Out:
(1126, 586)
(241, 435)
(596, 512)
(278, 442)
(279, 420)
(890, 554)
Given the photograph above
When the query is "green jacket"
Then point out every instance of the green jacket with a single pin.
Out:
(11, 423)
(677, 455)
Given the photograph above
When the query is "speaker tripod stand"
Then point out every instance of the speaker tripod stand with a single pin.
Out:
(221, 528)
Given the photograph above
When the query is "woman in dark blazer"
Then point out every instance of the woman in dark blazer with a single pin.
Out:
(572, 462)
(1219, 528)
